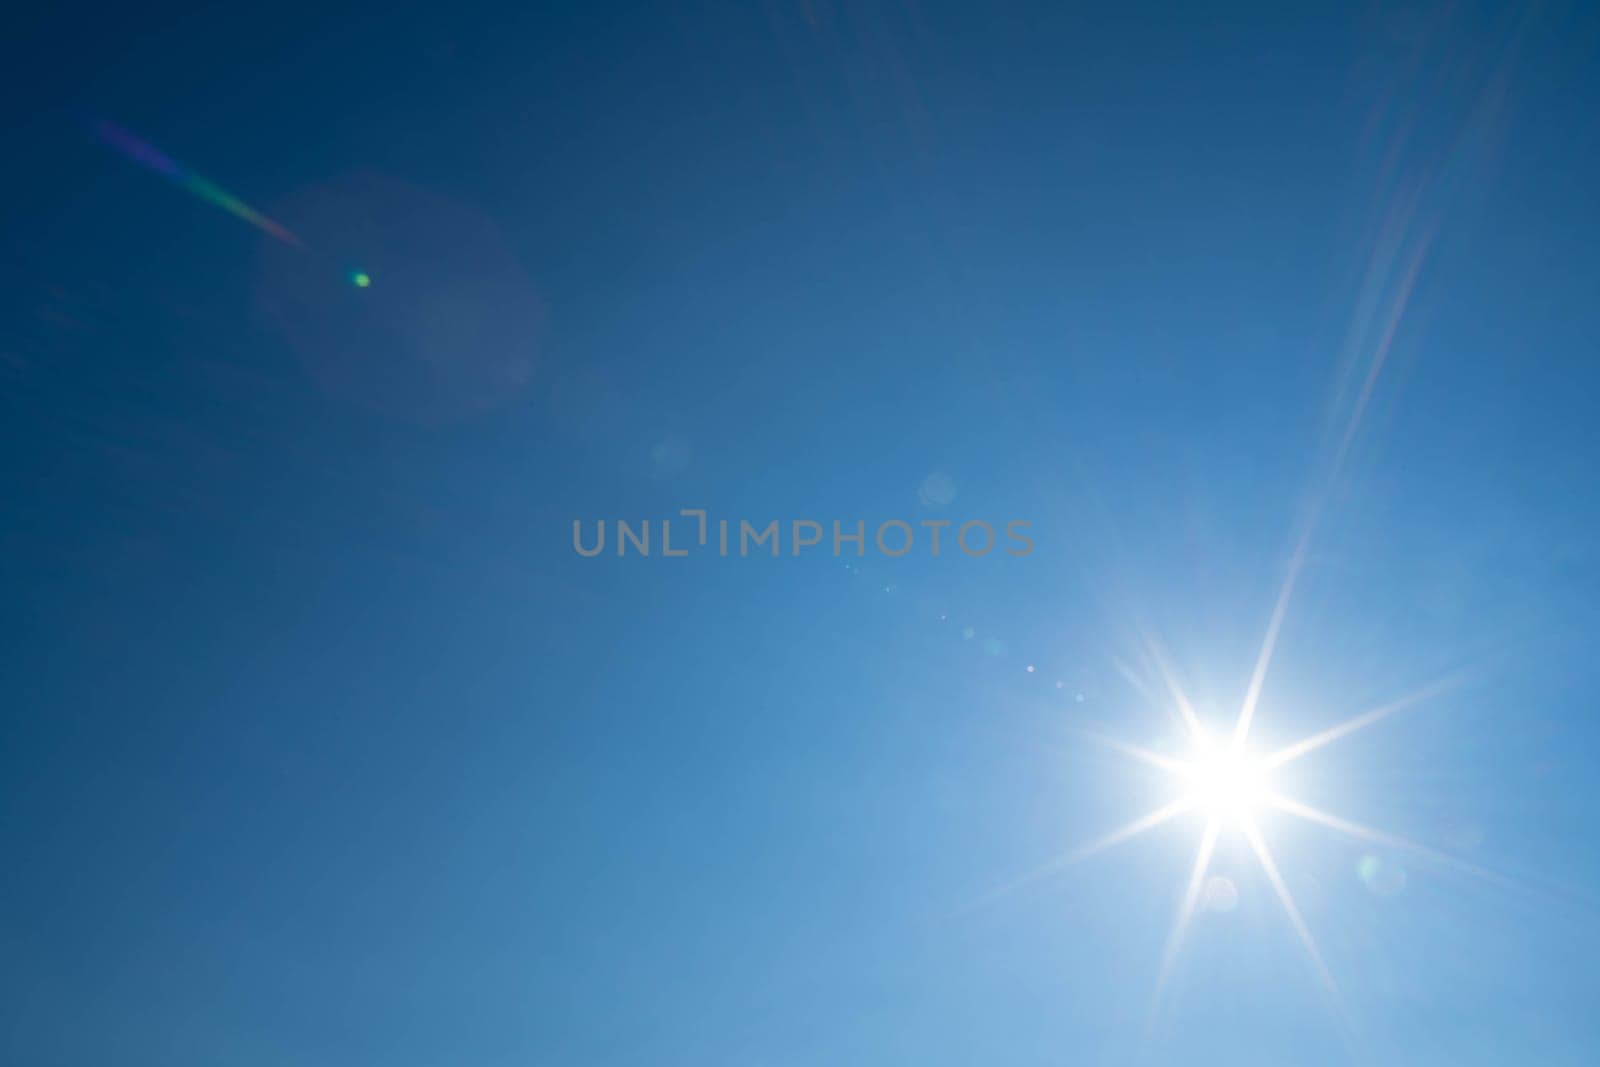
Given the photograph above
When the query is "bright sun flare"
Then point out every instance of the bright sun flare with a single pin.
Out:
(1229, 784)
(1232, 787)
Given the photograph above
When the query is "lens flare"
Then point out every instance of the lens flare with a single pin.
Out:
(152, 158)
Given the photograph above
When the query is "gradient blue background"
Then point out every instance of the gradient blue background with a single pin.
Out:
(321, 747)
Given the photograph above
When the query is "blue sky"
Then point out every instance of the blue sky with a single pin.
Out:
(323, 747)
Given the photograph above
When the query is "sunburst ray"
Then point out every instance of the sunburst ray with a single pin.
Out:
(1360, 722)
(1143, 755)
(1269, 643)
(1143, 824)
(1258, 845)
(1186, 909)
(1394, 841)
(1169, 678)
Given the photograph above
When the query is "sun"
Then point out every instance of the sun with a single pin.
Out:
(1233, 787)
(1229, 784)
